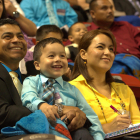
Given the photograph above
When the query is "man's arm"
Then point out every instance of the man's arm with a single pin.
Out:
(9, 112)
(76, 117)
(26, 25)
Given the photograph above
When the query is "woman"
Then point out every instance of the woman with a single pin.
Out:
(92, 77)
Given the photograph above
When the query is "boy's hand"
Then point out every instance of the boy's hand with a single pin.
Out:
(50, 111)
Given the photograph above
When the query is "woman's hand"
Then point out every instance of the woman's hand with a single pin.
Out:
(50, 111)
(9, 7)
(120, 122)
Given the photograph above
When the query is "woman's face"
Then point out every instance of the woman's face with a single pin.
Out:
(1, 8)
(100, 54)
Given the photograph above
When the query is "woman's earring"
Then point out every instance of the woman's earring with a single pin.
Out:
(85, 62)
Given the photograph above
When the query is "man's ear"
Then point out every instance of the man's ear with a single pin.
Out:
(92, 13)
(70, 38)
(36, 64)
(83, 54)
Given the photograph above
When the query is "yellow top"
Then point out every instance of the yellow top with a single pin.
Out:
(125, 93)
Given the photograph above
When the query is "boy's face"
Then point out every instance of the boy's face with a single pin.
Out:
(53, 62)
(78, 30)
(54, 35)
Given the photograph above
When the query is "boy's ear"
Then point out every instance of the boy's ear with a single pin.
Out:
(83, 54)
(71, 38)
(36, 64)
(36, 42)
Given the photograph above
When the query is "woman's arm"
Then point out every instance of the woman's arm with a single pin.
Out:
(26, 25)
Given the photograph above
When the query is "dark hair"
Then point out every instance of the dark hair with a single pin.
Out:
(92, 4)
(8, 21)
(70, 29)
(4, 11)
(79, 66)
(41, 45)
(46, 29)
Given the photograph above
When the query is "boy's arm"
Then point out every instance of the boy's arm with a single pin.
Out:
(96, 129)
(30, 98)
(29, 95)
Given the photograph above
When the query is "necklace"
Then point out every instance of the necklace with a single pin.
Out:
(121, 103)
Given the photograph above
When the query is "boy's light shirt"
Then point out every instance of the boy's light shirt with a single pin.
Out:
(44, 79)
(70, 95)
(58, 80)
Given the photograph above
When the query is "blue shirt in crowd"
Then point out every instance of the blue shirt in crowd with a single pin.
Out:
(70, 95)
(36, 11)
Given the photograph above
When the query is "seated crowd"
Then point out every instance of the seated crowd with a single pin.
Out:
(71, 83)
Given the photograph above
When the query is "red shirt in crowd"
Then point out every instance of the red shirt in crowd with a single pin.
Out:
(127, 37)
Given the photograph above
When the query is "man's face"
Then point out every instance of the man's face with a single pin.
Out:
(103, 12)
(13, 47)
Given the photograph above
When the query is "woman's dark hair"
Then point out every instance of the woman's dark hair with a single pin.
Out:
(4, 15)
(79, 66)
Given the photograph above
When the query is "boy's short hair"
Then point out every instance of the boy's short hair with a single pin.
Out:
(70, 29)
(42, 44)
(46, 29)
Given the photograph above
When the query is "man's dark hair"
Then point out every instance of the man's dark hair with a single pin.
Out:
(41, 45)
(93, 4)
(46, 29)
(8, 21)
(70, 29)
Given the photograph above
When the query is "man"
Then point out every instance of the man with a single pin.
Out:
(127, 36)
(42, 12)
(13, 48)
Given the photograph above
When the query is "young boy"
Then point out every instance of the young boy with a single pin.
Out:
(47, 31)
(76, 31)
(39, 92)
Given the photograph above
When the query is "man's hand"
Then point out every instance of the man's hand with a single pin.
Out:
(76, 117)
(50, 111)
(9, 7)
